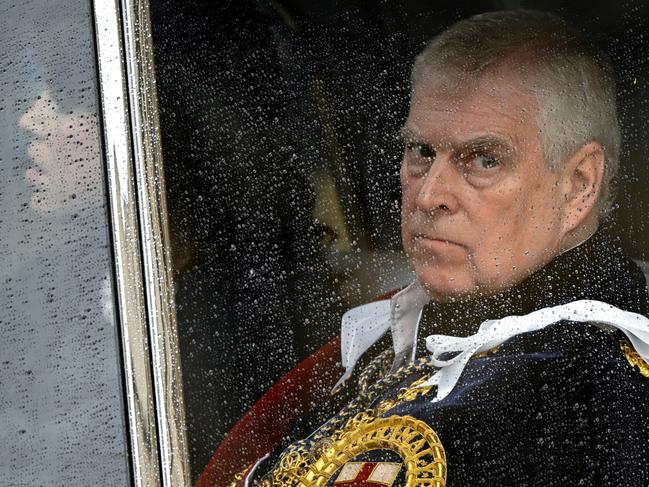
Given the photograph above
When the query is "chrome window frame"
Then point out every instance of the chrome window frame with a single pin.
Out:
(140, 235)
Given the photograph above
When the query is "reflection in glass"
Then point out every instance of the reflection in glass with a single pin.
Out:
(61, 414)
(63, 149)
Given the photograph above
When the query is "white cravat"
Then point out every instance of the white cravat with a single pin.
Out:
(494, 332)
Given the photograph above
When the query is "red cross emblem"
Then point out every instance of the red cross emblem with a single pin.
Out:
(368, 474)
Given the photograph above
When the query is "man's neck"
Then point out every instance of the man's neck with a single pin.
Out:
(594, 268)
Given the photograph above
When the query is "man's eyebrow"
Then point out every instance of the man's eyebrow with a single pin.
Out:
(491, 142)
(406, 134)
(487, 141)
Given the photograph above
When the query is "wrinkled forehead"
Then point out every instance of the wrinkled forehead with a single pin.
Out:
(499, 100)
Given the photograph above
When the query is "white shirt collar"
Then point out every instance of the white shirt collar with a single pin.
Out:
(364, 325)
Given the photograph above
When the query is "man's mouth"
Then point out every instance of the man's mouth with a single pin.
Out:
(435, 242)
(434, 237)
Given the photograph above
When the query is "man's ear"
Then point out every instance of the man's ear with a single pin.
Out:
(582, 178)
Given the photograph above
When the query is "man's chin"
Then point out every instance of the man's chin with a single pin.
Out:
(447, 287)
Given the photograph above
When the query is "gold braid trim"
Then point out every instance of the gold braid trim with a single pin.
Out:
(634, 358)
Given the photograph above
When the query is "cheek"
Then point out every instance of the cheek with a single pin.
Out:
(407, 201)
(409, 190)
(499, 219)
(521, 230)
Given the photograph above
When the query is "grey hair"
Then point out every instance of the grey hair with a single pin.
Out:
(574, 84)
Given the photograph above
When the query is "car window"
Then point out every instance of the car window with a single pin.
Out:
(280, 125)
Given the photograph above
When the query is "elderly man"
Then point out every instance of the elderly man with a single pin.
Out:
(516, 357)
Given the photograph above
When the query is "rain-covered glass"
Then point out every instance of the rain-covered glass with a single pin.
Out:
(61, 413)
(280, 123)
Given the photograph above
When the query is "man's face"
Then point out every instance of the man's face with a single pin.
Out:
(480, 206)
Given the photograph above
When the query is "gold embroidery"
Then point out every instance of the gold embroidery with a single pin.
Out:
(298, 459)
(413, 440)
(409, 393)
(385, 405)
(487, 353)
(634, 358)
(236, 482)
(291, 467)
(413, 391)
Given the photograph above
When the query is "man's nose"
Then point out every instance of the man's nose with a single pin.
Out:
(438, 191)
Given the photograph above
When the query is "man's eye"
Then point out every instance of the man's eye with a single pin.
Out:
(423, 151)
(483, 162)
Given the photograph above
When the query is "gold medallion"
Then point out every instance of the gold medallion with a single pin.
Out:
(416, 444)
